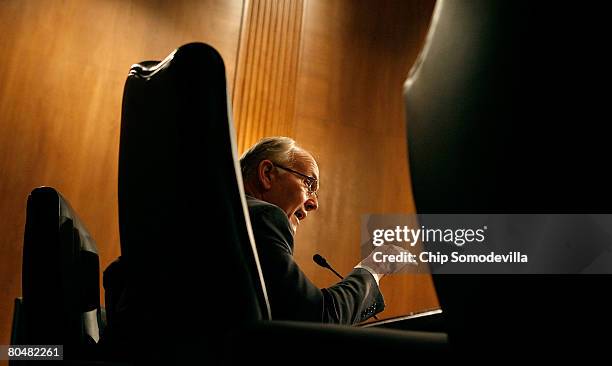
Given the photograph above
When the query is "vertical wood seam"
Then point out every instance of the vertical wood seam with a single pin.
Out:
(267, 70)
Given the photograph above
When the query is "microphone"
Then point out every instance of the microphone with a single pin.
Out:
(318, 259)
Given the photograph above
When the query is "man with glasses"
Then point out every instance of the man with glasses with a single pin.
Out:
(281, 181)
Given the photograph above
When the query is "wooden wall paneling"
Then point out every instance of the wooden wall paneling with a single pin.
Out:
(62, 70)
(350, 113)
(264, 101)
(328, 73)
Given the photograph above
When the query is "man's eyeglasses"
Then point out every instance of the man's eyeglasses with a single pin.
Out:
(310, 182)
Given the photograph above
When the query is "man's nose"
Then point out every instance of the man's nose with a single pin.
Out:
(312, 203)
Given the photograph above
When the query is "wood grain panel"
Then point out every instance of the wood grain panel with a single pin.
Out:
(62, 69)
(349, 112)
(328, 73)
(264, 99)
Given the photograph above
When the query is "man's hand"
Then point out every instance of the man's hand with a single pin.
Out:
(387, 259)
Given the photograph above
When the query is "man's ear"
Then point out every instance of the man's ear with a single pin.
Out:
(265, 174)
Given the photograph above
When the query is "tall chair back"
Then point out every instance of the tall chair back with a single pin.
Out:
(191, 264)
(60, 278)
(481, 139)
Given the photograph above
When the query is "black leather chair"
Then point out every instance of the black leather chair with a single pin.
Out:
(194, 284)
(60, 279)
(486, 130)
(192, 269)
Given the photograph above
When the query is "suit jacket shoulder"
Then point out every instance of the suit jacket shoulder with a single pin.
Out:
(270, 221)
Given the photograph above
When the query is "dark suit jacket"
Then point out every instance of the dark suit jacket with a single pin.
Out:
(291, 294)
